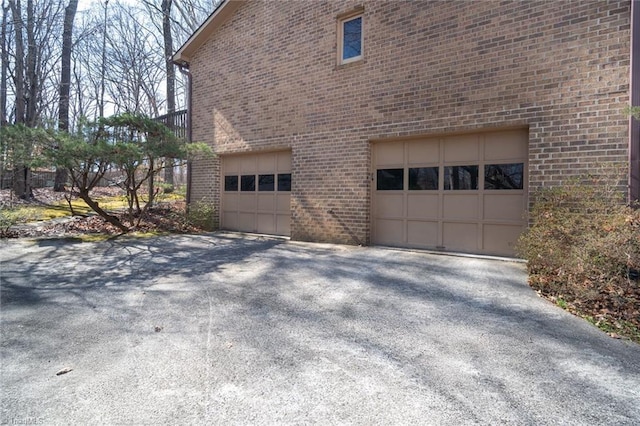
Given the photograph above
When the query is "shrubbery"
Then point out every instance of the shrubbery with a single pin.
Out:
(583, 250)
(200, 215)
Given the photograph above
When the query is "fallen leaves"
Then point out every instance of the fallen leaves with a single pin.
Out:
(166, 217)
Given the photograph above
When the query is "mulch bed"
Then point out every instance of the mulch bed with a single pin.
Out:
(48, 197)
(164, 217)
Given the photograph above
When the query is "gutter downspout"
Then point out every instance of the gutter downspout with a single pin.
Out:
(184, 69)
(634, 100)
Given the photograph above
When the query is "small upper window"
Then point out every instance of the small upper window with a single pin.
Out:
(350, 38)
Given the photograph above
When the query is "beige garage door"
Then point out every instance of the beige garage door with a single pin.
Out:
(256, 193)
(461, 193)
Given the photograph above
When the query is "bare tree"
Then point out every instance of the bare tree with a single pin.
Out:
(191, 14)
(65, 84)
(104, 60)
(4, 58)
(135, 63)
(18, 74)
(115, 58)
(21, 180)
(171, 77)
(87, 62)
(30, 65)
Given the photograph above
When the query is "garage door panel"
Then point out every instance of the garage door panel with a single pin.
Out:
(247, 165)
(232, 165)
(503, 207)
(266, 163)
(390, 205)
(505, 145)
(461, 148)
(389, 154)
(230, 201)
(422, 233)
(247, 201)
(460, 236)
(283, 203)
(266, 202)
(246, 222)
(423, 152)
(266, 223)
(501, 239)
(460, 206)
(284, 162)
(424, 206)
(389, 231)
(283, 224)
(230, 220)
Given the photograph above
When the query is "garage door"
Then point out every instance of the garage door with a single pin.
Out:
(256, 193)
(461, 193)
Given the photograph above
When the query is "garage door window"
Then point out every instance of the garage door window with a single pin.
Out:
(266, 183)
(460, 177)
(423, 178)
(231, 183)
(390, 179)
(503, 176)
(284, 182)
(247, 183)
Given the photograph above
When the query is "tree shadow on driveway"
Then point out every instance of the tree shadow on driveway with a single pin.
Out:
(260, 330)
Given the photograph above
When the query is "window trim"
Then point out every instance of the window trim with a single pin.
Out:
(342, 19)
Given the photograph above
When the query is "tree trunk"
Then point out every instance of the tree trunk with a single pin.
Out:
(96, 208)
(171, 81)
(4, 59)
(21, 174)
(104, 63)
(65, 85)
(31, 77)
(16, 10)
(151, 184)
(21, 182)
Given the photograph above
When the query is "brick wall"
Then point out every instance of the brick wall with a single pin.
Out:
(268, 79)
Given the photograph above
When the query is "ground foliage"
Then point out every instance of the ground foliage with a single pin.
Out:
(583, 252)
(169, 217)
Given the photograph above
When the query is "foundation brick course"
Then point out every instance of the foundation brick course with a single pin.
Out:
(268, 79)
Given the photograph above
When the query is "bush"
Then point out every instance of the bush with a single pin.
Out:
(200, 215)
(10, 217)
(583, 247)
(167, 188)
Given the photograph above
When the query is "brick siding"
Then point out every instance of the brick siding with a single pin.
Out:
(268, 79)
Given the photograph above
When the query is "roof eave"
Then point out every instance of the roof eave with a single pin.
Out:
(221, 13)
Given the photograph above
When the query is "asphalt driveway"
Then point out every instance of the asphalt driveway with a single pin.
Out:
(219, 329)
